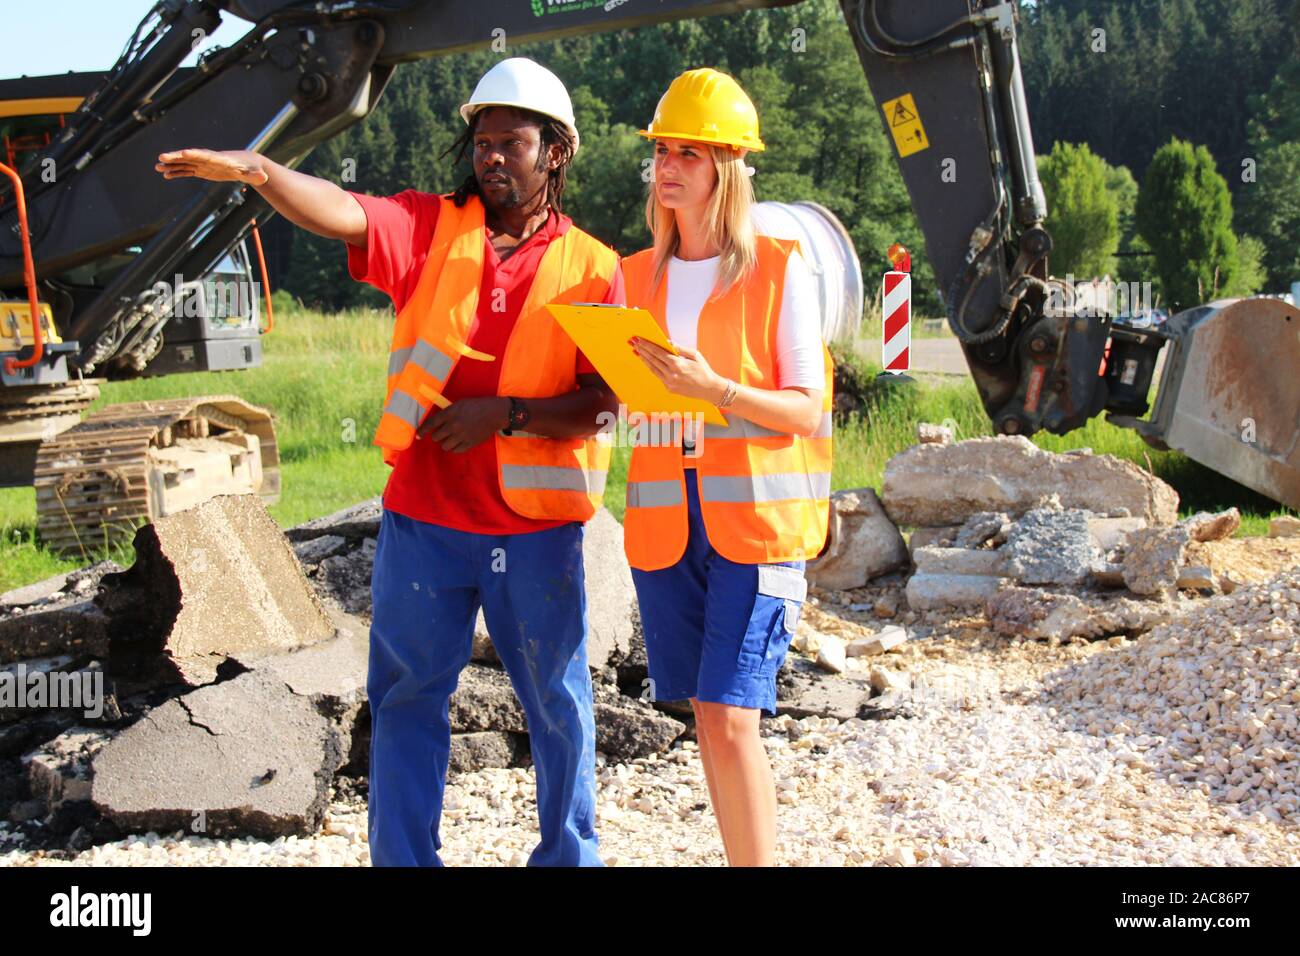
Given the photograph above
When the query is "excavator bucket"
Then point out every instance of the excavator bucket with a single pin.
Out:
(1229, 394)
(129, 464)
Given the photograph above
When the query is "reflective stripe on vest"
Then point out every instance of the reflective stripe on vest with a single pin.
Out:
(540, 477)
(764, 494)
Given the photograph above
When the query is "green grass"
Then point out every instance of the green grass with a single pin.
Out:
(323, 377)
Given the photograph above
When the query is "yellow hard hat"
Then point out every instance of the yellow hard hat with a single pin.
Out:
(707, 106)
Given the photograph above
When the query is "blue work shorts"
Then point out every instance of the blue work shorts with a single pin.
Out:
(716, 630)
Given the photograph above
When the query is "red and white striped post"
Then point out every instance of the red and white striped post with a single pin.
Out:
(896, 306)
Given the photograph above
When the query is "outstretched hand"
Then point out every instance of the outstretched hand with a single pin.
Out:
(236, 166)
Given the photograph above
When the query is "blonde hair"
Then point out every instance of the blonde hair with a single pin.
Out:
(727, 222)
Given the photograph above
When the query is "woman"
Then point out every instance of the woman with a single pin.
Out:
(717, 528)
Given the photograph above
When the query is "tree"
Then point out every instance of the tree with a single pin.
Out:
(1083, 211)
(1184, 213)
(1271, 212)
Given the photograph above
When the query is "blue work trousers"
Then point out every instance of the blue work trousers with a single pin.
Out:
(429, 582)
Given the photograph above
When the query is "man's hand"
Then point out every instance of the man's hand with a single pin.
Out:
(467, 422)
(235, 166)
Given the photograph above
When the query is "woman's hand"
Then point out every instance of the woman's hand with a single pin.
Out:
(687, 373)
(237, 166)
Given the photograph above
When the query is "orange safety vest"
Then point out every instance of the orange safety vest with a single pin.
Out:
(764, 495)
(550, 478)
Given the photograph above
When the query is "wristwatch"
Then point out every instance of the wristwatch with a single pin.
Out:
(519, 416)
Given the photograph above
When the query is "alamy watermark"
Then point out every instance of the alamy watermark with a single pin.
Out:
(655, 429)
(21, 689)
(213, 298)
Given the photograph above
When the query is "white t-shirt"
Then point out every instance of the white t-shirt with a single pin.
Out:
(799, 326)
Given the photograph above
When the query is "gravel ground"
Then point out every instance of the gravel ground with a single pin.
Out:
(1022, 753)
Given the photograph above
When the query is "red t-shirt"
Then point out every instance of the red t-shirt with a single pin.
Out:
(455, 489)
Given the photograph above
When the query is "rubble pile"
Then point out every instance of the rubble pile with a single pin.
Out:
(1211, 698)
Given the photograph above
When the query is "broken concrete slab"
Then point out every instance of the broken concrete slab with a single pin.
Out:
(1042, 614)
(331, 674)
(1048, 546)
(628, 728)
(1010, 473)
(315, 550)
(805, 691)
(861, 543)
(883, 680)
(355, 523)
(73, 626)
(484, 750)
(1204, 526)
(208, 583)
(927, 592)
(960, 561)
(33, 593)
(347, 578)
(610, 592)
(242, 757)
(1153, 557)
(940, 537)
(485, 700)
(831, 656)
(59, 772)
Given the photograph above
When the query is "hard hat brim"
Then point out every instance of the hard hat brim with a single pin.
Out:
(755, 145)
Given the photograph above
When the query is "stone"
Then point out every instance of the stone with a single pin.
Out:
(929, 433)
(353, 523)
(883, 680)
(1047, 546)
(1042, 614)
(1109, 533)
(830, 655)
(960, 561)
(886, 605)
(981, 528)
(209, 582)
(862, 543)
(1284, 526)
(242, 757)
(1204, 526)
(1153, 559)
(1197, 578)
(930, 484)
(882, 641)
(484, 750)
(938, 591)
(927, 537)
(1107, 574)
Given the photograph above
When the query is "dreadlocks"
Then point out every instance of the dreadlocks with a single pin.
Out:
(553, 131)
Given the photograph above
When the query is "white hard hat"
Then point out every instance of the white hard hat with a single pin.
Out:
(526, 84)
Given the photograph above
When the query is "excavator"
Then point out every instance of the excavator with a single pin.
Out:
(101, 280)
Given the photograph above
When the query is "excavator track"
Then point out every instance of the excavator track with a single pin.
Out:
(130, 464)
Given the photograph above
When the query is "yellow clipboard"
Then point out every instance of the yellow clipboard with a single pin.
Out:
(602, 331)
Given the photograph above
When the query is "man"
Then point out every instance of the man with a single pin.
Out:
(488, 423)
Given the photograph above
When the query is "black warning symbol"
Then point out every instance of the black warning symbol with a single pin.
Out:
(901, 114)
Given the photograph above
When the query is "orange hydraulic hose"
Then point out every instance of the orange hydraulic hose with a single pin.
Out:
(266, 282)
(29, 275)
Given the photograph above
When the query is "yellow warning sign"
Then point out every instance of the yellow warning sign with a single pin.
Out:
(905, 123)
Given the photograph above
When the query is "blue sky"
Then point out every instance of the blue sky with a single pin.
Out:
(55, 36)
